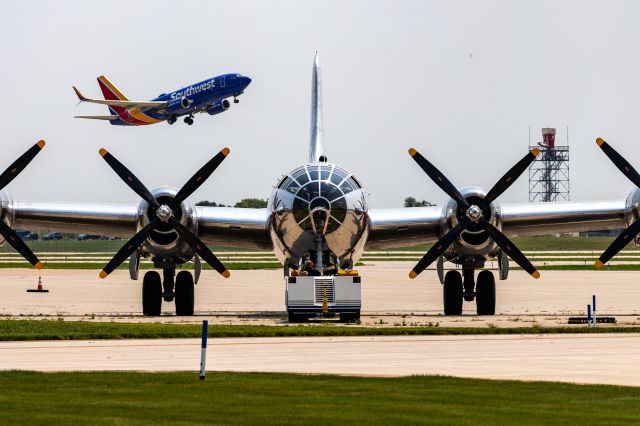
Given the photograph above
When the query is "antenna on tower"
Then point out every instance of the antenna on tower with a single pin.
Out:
(549, 172)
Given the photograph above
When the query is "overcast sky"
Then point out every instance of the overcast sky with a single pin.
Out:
(461, 81)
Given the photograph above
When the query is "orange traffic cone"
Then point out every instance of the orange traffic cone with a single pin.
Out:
(40, 289)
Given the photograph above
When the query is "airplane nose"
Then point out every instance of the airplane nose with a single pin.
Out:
(245, 81)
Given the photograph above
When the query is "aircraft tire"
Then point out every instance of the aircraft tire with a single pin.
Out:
(151, 294)
(486, 293)
(452, 293)
(184, 293)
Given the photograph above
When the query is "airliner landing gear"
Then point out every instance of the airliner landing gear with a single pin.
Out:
(184, 293)
(452, 293)
(486, 293)
(171, 119)
(189, 119)
(236, 100)
(151, 294)
(168, 283)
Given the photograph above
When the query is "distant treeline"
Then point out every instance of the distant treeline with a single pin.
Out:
(247, 203)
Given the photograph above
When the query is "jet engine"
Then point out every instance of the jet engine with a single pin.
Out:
(219, 107)
(178, 105)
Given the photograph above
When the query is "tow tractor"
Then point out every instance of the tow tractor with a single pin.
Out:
(310, 296)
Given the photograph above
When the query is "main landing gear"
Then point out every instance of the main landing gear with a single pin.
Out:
(455, 290)
(189, 119)
(180, 289)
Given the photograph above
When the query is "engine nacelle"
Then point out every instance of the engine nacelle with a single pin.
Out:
(165, 242)
(219, 107)
(474, 243)
(178, 105)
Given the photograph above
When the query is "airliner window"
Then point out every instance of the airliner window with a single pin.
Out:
(324, 172)
(300, 210)
(293, 187)
(346, 187)
(301, 175)
(338, 175)
(313, 172)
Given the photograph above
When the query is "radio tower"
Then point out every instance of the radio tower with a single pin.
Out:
(549, 172)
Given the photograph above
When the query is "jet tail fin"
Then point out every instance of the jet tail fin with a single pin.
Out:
(316, 147)
(110, 91)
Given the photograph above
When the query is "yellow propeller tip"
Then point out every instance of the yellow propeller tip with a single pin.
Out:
(535, 151)
(103, 274)
(225, 151)
(599, 263)
(39, 265)
(599, 141)
(536, 274)
(103, 152)
(41, 143)
(412, 274)
(226, 274)
(412, 152)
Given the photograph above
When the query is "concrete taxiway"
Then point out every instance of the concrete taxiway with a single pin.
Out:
(604, 359)
(389, 297)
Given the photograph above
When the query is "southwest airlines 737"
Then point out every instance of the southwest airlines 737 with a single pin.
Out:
(209, 96)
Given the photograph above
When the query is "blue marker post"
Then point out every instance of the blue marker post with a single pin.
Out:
(594, 311)
(588, 316)
(203, 353)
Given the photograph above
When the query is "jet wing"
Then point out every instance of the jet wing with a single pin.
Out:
(124, 104)
(229, 226)
(98, 117)
(411, 226)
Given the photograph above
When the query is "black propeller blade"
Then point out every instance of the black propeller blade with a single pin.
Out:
(199, 178)
(474, 214)
(5, 178)
(164, 213)
(629, 234)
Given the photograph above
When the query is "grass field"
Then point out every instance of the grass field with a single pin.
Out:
(13, 330)
(244, 398)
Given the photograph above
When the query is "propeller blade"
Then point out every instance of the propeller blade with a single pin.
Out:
(20, 246)
(199, 178)
(508, 247)
(619, 243)
(438, 248)
(130, 246)
(505, 181)
(438, 178)
(200, 248)
(622, 164)
(129, 178)
(14, 169)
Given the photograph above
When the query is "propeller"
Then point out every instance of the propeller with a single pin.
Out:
(164, 213)
(628, 234)
(5, 178)
(474, 213)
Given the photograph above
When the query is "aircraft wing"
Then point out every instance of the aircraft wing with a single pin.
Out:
(98, 117)
(229, 226)
(411, 226)
(124, 104)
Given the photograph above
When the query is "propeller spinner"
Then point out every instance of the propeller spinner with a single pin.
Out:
(474, 214)
(627, 169)
(164, 212)
(5, 178)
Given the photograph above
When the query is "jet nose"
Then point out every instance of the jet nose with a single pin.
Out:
(245, 80)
